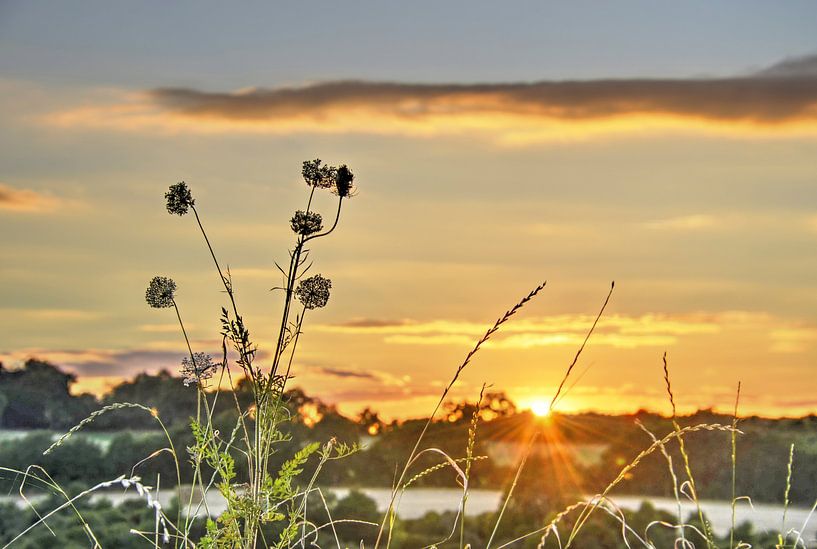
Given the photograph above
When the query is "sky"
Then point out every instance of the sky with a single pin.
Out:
(667, 146)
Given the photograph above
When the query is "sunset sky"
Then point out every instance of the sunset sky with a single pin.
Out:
(671, 147)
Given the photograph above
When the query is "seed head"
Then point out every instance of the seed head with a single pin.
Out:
(197, 369)
(313, 292)
(344, 179)
(316, 174)
(159, 294)
(179, 199)
(306, 223)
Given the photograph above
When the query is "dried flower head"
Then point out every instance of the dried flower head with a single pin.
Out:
(179, 199)
(159, 294)
(196, 369)
(313, 292)
(344, 179)
(316, 174)
(306, 223)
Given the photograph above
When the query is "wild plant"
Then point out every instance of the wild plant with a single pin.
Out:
(265, 496)
(268, 495)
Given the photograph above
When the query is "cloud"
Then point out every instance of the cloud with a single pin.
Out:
(360, 395)
(555, 324)
(529, 341)
(344, 373)
(794, 67)
(58, 315)
(164, 328)
(684, 223)
(108, 363)
(781, 98)
(373, 323)
(340, 374)
(618, 331)
(792, 339)
(26, 200)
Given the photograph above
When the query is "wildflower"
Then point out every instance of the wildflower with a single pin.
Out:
(343, 182)
(197, 368)
(313, 292)
(159, 294)
(317, 175)
(179, 199)
(306, 223)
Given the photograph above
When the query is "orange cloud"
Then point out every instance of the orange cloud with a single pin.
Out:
(56, 315)
(684, 223)
(25, 200)
(619, 331)
(781, 99)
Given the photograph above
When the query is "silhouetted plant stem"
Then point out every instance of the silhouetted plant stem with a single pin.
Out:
(311, 194)
(332, 228)
(555, 398)
(289, 289)
(783, 536)
(292, 276)
(469, 458)
(525, 456)
(228, 286)
(685, 455)
(734, 468)
(504, 318)
(199, 396)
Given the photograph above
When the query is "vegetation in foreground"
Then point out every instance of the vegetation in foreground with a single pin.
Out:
(247, 453)
(112, 526)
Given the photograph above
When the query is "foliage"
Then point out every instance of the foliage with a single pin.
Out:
(263, 446)
(37, 396)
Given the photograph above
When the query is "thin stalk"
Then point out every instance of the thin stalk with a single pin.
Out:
(685, 456)
(198, 404)
(309, 202)
(57, 488)
(332, 228)
(674, 477)
(734, 468)
(184, 333)
(280, 395)
(69, 503)
(199, 396)
(292, 275)
(493, 329)
(782, 536)
(178, 469)
(469, 458)
(555, 398)
(196, 468)
(290, 286)
(228, 285)
(522, 463)
(327, 450)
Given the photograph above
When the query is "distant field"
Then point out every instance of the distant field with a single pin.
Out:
(100, 438)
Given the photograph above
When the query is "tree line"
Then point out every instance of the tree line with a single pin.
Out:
(37, 397)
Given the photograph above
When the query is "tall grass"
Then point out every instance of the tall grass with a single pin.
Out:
(267, 496)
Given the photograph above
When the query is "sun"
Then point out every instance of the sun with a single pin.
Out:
(540, 408)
